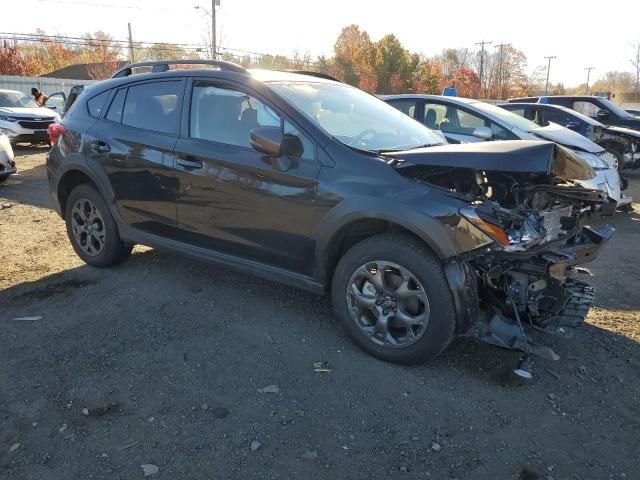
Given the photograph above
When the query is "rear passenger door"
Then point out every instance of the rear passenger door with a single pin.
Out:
(133, 141)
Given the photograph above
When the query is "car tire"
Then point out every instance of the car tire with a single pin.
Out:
(619, 157)
(396, 257)
(92, 230)
(4, 179)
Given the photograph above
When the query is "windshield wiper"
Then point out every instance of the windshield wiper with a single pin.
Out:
(392, 150)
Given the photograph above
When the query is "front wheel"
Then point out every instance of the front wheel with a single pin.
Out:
(92, 230)
(392, 297)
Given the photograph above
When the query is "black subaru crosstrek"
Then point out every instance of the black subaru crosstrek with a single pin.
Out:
(305, 180)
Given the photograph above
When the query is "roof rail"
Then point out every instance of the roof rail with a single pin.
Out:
(163, 66)
(326, 76)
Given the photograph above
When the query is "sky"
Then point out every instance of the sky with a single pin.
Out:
(579, 34)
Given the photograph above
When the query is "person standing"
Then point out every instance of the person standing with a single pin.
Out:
(39, 97)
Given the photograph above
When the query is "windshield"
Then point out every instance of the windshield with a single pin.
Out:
(16, 99)
(506, 116)
(615, 109)
(356, 118)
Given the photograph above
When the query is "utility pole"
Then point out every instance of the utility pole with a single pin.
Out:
(213, 29)
(588, 69)
(500, 75)
(131, 55)
(546, 86)
(212, 14)
(482, 44)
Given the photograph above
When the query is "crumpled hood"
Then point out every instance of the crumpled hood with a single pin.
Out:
(516, 156)
(39, 112)
(567, 138)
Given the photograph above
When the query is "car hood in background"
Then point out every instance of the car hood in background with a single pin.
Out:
(623, 130)
(566, 137)
(517, 156)
(28, 112)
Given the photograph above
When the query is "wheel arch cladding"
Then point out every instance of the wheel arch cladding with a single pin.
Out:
(70, 180)
(351, 231)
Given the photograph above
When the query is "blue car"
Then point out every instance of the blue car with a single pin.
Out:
(623, 142)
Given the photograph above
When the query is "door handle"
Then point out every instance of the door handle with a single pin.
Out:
(99, 146)
(189, 163)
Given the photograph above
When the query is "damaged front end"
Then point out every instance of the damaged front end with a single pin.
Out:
(527, 207)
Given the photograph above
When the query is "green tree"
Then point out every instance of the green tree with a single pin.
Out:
(354, 54)
(392, 65)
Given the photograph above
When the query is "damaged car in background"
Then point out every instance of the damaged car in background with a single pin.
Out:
(314, 183)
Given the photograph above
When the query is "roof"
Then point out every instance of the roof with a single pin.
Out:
(3, 90)
(78, 71)
(552, 106)
(458, 100)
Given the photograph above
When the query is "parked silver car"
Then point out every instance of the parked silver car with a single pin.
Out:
(467, 120)
(7, 164)
(22, 120)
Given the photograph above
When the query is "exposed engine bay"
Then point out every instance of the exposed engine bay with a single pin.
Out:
(534, 237)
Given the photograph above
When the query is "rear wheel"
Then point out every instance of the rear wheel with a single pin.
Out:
(91, 229)
(392, 297)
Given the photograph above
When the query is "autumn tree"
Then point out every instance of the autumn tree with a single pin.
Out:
(355, 55)
(101, 54)
(428, 78)
(466, 82)
(13, 63)
(635, 61)
(164, 51)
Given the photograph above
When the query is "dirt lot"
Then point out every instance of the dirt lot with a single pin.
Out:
(160, 348)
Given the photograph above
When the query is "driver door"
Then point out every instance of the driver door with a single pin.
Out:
(233, 199)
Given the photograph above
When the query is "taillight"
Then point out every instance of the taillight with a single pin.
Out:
(55, 130)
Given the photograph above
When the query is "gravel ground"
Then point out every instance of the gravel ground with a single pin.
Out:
(168, 357)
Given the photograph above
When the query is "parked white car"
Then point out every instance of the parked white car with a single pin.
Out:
(22, 120)
(467, 120)
(7, 164)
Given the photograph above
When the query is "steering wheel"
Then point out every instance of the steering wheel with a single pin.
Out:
(361, 136)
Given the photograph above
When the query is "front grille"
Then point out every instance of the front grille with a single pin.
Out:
(35, 125)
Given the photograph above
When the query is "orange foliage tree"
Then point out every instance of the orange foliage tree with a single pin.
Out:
(466, 82)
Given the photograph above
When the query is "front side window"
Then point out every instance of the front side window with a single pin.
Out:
(227, 116)
(354, 117)
(308, 148)
(434, 114)
(153, 106)
(589, 109)
(457, 121)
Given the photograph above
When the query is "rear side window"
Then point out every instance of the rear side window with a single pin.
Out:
(115, 110)
(406, 106)
(153, 106)
(96, 104)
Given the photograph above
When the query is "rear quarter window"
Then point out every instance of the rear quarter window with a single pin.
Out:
(96, 104)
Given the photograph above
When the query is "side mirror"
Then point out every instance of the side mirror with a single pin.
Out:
(575, 126)
(484, 133)
(602, 115)
(267, 140)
